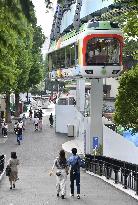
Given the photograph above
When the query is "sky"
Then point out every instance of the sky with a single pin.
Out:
(44, 20)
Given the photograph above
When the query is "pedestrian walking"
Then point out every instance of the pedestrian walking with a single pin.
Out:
(75, 163)
(61, 173)
(40, 115)
(24, 121)
(36, 122)
(30, 113)
(5, 130)
(2, 126)
(20, 122)
(51, 120)
(19, 133)
(40, 123)
(15, 127)
(13, 174)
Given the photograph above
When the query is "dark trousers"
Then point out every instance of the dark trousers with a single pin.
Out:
(2, 130)
(36, 126)
(19, 138)
(74, 176)
(5, 132)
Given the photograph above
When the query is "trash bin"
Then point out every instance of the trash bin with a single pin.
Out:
(70, 130)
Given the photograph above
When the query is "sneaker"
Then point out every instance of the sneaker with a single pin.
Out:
(62, 197)
(78, 196)
(57, 194)
(72, 195)
(13, 185)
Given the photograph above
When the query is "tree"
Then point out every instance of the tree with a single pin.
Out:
(10, 29)
(127, 100)
(37, 68)
(29, 61)
(23, 63)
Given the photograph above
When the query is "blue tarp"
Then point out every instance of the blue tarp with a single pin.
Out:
(131, 137)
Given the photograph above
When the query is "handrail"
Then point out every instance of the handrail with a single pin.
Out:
(122, 172)
(2, 163)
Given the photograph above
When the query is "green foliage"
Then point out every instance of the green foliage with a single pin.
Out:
(8, 40)
(130, 23)
(131, 48)
(21, 63)
(127, 100)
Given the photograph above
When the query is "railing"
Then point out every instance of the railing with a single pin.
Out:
(2, 162)
(120, 171)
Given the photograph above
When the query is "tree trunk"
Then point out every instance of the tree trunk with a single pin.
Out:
(27, 97)
(17, 109)
(8, 113)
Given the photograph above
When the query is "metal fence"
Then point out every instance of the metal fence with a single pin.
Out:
(120, 171)
(2, 162)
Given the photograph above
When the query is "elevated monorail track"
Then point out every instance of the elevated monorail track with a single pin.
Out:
(106, 13)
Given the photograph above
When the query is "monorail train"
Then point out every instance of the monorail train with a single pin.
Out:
(95, 51)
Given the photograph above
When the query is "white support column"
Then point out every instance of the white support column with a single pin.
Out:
(80, 95)
(96, 126)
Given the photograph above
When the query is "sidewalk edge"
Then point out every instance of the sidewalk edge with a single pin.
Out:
(117, 186)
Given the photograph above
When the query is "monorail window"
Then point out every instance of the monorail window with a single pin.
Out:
(63, 101)
(63, 58)
(60, 58)
(70, 55)
(103, 51)
(71, 101)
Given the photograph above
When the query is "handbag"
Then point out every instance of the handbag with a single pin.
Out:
(8, 170)
(58, 173)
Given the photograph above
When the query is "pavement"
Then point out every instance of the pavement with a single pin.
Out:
(35, 187)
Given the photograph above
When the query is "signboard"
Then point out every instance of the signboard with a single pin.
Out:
(95, 142)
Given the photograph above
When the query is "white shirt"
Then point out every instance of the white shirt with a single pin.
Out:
(36, 120)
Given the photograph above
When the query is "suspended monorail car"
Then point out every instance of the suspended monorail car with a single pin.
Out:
(95, 51)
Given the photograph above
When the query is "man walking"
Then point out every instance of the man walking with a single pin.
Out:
(19, 132)
(74, 162)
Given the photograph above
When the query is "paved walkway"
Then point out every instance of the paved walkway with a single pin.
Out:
(35, 187)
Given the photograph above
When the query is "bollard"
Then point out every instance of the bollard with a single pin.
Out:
(101, 167)
(137, 184)
(136, 180)
(126, 171)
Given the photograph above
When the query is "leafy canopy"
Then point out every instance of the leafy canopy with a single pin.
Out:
(127, 100)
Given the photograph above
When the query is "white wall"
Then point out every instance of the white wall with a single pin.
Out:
(116, 146)
(114, 86)
(64, 115)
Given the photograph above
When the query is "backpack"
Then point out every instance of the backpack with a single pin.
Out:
(76, 166)
(79, 163)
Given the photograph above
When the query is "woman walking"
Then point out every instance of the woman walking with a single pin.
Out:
(13, 163)
(61, 174)
(51, 120)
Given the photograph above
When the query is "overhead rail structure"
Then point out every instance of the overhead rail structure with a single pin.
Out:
(66, 7)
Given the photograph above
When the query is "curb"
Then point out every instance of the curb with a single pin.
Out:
(128, 191)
